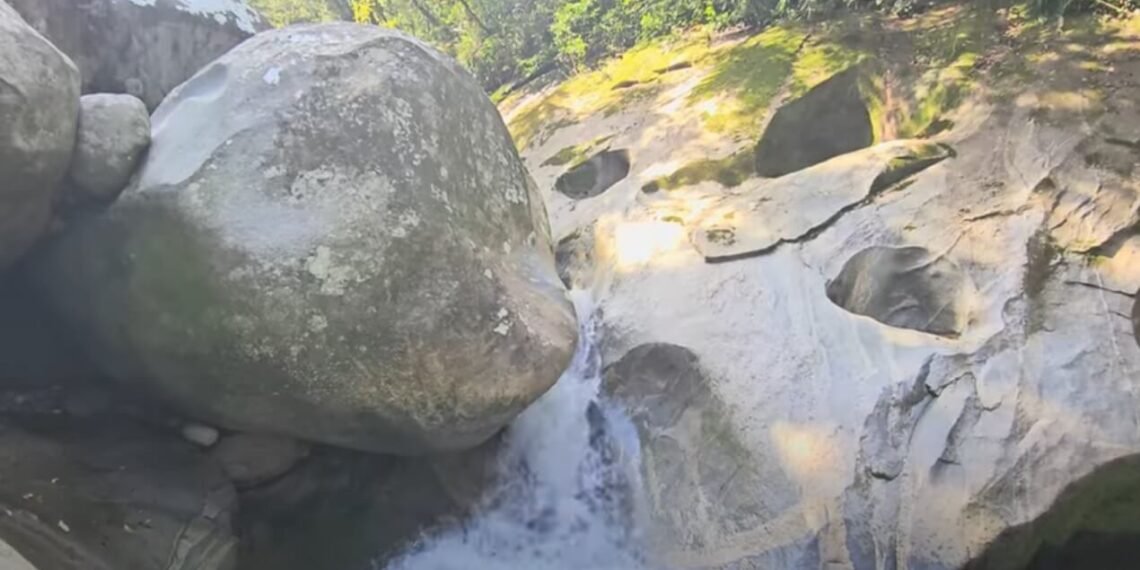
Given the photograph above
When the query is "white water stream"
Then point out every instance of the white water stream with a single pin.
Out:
(569, 493)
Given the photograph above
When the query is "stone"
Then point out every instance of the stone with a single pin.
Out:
(144, 48)
(688, 445)
(114, 133)
(574, 256)
(199, 434)
(108, 494)
(39, 106)
(266, 272)
(343, 509)
(907, 287)
(831, 119)
(250, 459)
(594, 176)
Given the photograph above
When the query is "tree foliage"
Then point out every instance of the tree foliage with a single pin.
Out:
(504, 42)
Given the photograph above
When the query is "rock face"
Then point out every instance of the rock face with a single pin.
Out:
(268, 273)
(39, 106)
(911, 363)
(908, 287)
(341, 509)
(114, 132)
(142, 47)
(249, 459)
(35, 349)
(831, 119)
(106, 495)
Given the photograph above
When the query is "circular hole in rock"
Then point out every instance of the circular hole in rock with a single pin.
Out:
(594, 176)
(905, 287)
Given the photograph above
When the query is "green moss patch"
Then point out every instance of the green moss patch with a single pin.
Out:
(729, 172)
(574, 154)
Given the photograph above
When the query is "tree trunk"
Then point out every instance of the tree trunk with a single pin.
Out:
(475, 17)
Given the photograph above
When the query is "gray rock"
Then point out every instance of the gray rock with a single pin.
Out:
(343, 509)
(907, 287)
(1136, 318)
(831, 119)
(270, 272)
(39, 103)
(704, 471)
(36, 350)
(114, 133)
(249, 459)
(142, 47)
(200, 435)
(594, 176)
(108, 495)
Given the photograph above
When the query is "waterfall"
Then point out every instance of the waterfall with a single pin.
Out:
(568, 496)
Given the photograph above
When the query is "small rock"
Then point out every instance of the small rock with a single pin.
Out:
(199, 434)
(249, 459)
(114, 132)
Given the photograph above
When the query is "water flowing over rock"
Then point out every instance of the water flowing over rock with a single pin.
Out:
(142, 47)
(39, 106)
(332, 238)
(567, 494)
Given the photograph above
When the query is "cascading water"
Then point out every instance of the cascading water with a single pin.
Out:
(568, 497)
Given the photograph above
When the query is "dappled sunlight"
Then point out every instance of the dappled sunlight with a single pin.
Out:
(637, 243)
(806, 450)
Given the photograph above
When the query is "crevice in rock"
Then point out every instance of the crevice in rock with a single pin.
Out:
(1098, 287)
(595, 175)
(894, 176)
(1005, 213)
(1111, 246)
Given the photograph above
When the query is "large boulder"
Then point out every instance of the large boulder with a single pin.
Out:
(104, 494)
(114, 133)
(332, 238)
(39, 106)
(142, 47)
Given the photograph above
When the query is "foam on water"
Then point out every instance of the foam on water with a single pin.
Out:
(568, 497)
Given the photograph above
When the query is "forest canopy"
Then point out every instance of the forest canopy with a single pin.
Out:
(506, 42)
